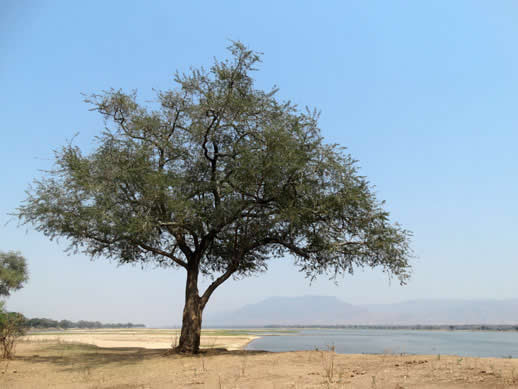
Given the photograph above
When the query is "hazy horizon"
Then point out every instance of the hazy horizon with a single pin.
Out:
(423, 95)
(329, 310)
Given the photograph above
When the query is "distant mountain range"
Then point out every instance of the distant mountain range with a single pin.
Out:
(327, 310)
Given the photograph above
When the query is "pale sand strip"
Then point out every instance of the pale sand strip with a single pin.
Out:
(149, 341)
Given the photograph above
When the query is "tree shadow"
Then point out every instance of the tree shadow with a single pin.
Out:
(78, 357)
(72, 356)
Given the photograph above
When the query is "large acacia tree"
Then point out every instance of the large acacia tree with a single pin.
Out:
(216, 178)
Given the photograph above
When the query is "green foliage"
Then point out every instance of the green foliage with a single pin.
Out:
(65, 324)
(13, 272)
(12, 326)
(217, 177)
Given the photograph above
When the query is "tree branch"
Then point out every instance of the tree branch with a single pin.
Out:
(186, 250)
(161, 252)
(217, 282)
(206, 137)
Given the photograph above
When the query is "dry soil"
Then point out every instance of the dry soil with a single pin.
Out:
(55, 363)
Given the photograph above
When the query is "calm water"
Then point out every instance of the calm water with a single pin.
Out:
(352, 341)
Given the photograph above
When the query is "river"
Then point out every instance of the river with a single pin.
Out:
(373, 341)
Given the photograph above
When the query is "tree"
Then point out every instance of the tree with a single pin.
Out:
(217, 178)
(12, 326)
(66, 324)
(13, 272)
(13, 275)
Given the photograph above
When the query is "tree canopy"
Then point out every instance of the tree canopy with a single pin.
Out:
(13, 272)
(217, 177)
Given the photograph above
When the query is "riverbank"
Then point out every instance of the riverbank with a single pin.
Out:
(59, 364)
(144, 338)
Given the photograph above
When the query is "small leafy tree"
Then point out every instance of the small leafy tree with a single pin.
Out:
(216, 178)
(13, 275)
(12, 326)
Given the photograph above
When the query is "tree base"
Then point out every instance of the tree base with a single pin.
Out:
(181, 351)
(211, 351)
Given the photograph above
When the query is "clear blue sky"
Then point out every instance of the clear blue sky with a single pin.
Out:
(424, 94)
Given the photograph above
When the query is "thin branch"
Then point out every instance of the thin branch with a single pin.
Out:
(173, 127)
(206, 137)
(186, 250)
(165, 254)
(217, 282)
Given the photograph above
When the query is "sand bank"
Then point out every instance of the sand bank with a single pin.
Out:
(144, 338)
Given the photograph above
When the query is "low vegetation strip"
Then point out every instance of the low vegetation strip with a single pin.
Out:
(66, 324)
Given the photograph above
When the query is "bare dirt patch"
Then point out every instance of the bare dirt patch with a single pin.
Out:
(68, 365)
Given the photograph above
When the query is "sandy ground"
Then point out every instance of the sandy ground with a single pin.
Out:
(51, 364)
(150, 339)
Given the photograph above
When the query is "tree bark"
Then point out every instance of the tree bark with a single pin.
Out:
(192, 315)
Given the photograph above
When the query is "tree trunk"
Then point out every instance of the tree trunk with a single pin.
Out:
(192, 314)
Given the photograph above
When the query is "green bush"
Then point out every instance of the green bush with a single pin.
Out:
(12, 326)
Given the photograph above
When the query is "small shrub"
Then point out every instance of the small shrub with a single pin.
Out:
(12, 326)
(243, 365)
(328, 364)
(174, 341)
